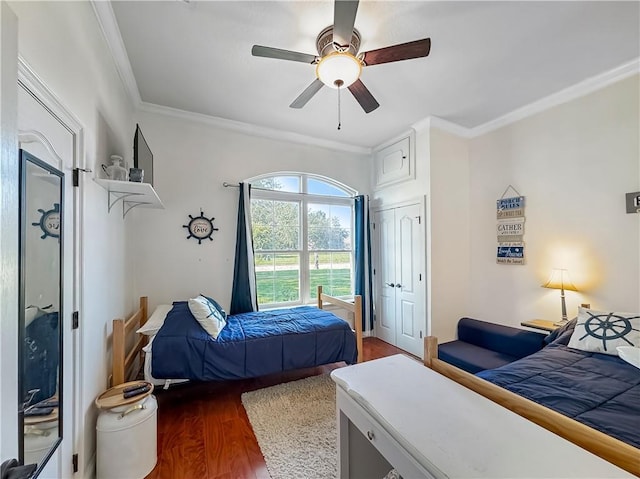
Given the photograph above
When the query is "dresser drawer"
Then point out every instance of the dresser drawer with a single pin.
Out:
(406, 465)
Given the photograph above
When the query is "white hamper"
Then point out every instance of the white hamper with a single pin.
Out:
(126, 442)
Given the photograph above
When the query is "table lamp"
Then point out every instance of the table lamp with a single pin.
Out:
(559, 279)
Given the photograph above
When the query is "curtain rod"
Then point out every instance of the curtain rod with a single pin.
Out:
(235, 185)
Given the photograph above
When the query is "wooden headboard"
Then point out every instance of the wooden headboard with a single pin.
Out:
(617, 452)
(123, 361)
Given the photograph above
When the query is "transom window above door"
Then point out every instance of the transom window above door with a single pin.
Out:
(302, 237)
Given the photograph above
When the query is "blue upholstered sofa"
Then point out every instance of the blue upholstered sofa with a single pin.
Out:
(481, 345)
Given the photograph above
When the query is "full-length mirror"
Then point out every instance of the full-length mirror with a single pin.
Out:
(40, 332)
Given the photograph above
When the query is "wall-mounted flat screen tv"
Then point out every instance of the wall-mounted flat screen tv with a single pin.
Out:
(142, 156)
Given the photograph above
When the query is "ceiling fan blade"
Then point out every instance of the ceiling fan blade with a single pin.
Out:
(307, 94)
(269, 52)
(344, 17)
(364, 96)
(395, 53)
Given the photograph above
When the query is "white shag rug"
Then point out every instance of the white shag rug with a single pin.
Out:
(295, 424)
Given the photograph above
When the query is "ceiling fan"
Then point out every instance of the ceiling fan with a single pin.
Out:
(338, 63)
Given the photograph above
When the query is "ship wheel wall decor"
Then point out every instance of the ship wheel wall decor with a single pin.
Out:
(49, 222)
(200, 227)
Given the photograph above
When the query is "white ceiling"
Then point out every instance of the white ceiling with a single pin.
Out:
(487, 59)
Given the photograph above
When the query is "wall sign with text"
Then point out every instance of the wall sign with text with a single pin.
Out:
(633, 202)
(510, 230)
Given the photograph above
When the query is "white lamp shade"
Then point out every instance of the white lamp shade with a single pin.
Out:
(338, 66)
(559, 279)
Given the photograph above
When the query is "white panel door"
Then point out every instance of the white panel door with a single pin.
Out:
(43, 135)
(385, 276)
(410, 319)
(399, 284)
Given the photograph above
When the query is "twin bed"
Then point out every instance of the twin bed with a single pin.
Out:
(588, 398)
(250, 345)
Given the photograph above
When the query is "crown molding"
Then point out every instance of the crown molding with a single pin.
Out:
(34, 84)
(109, 26)
(573, 92)
(442, 124)
(111, 31)
(251, 129)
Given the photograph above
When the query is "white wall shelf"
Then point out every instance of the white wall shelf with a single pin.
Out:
(131, 193)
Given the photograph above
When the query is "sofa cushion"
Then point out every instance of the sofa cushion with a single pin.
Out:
(499, 338)
(472, 358)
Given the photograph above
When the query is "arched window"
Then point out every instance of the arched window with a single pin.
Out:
(302, 237)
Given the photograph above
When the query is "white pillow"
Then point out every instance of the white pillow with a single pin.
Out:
(630, 355)
(602, 332)
(155, 322)
(207, 315)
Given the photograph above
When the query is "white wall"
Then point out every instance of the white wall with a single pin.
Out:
(449, 232)
(191, 161)
(573, 163)
(62, 43)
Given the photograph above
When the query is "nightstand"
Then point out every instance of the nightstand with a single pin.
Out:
(542, 324)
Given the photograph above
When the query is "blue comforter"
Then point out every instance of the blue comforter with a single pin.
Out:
(250, 345)
(599, 390)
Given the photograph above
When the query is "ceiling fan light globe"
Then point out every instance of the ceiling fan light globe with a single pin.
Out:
(338, 67)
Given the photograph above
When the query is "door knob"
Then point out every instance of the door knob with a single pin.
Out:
(390, 284)
(398, 285)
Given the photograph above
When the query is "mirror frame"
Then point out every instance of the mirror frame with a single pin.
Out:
(25, 158)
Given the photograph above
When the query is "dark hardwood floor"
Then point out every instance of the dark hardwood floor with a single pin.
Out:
(203, 430)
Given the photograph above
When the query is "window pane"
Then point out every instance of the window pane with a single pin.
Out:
(275, 224)
(329, 227)
(319, 187)
(290, 184)
(277, 277)
(332, 271)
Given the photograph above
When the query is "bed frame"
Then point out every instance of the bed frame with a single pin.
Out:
(617, 452)
(125, 358)
(354, 307)
(123, 361)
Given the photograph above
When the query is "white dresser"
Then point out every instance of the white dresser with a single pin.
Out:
(395, 412)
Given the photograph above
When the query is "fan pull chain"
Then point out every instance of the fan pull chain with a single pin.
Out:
(339, 119)
(339, 83)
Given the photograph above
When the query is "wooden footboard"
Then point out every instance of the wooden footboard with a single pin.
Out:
(355, 308)
(611, 449)
(123, 361)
